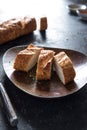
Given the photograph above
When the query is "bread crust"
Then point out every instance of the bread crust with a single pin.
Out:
(43, 23)
(44, 65)
(65, 65)
(14, 28)
(27, 58)
(34, 48)
(23, 58)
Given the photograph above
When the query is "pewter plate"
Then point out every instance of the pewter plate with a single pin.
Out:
(52, 88)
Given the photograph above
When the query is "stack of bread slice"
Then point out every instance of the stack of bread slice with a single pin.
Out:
(45, 59)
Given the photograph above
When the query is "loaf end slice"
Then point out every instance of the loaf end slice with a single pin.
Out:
(64, 67)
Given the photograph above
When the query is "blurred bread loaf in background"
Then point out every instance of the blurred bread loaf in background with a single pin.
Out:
(16, 27)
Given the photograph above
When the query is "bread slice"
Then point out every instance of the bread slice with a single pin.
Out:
(64, 67)
(43, 23)
(44, 65)
(24, 60)
(27, 58)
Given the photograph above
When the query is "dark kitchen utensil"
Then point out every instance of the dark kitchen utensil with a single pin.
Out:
(7, 106)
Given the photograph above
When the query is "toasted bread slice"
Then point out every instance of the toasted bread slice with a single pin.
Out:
(64, 67)
(44, 65)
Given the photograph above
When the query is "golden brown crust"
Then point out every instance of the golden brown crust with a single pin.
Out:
(34, 48)
(44, 65)
(66, 65)
(14, 28)
(22, 60)
(27, 58)
(43, 23)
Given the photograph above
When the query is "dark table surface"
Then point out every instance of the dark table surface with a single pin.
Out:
(67, 31)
